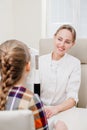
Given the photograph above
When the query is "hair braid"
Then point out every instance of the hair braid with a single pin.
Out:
(14, 55)
(5, 80)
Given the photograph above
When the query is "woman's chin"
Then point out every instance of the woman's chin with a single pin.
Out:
(61, 53)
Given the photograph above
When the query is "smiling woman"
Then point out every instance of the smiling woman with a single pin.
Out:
(60, 74)
(64, 39)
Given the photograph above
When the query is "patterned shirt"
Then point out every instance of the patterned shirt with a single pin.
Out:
(23, 98)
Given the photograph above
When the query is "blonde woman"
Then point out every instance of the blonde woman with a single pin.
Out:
(60, 74)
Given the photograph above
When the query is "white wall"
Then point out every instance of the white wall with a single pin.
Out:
(21, 19)
(6, 20)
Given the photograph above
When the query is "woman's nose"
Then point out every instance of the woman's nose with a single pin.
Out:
(62, 43)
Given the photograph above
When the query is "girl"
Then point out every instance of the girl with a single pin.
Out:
(15, 66)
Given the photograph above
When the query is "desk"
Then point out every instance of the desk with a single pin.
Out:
(75, 118)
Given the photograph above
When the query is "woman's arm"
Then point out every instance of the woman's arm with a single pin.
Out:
(53, 110)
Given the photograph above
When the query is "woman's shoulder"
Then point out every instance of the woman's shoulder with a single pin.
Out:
(45, 58)
(72, 59)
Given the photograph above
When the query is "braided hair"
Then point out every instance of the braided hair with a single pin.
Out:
(14, 55)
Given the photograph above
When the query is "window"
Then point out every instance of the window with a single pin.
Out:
(60, 12)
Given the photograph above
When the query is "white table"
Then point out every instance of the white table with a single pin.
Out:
(75, 118)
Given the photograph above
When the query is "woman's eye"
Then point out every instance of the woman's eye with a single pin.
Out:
(68, 42)
(59, 39)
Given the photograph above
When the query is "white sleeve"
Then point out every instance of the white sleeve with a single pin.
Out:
(74, 82)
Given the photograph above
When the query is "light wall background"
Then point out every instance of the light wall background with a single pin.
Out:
(21, 19)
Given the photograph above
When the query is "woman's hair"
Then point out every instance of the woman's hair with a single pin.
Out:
(68, 27)
(14, 55)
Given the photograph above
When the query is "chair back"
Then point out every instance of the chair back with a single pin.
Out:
(16, 120)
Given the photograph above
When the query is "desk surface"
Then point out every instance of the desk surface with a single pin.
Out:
(75, 118)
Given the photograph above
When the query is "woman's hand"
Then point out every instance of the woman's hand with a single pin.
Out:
(53, 110)
(50, 111)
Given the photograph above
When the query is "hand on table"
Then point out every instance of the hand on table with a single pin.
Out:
(50, 111)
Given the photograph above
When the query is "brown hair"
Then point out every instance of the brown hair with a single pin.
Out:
(68, 27)
(14, 55)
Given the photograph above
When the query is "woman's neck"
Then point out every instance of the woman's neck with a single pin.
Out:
(55, 56)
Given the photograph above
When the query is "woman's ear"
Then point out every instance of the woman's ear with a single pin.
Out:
(54, 36)
(73, 43)
(28, 66)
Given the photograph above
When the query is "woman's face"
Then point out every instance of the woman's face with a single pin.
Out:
(63, 41)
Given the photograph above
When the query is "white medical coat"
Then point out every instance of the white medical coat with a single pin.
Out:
(60, 79)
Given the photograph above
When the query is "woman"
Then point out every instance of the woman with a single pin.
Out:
(60, 74)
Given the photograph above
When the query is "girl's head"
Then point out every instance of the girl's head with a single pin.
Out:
(14, 56)
(64, 39)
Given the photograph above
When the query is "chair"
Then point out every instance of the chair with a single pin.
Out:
(16, 120)
(79, 50)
